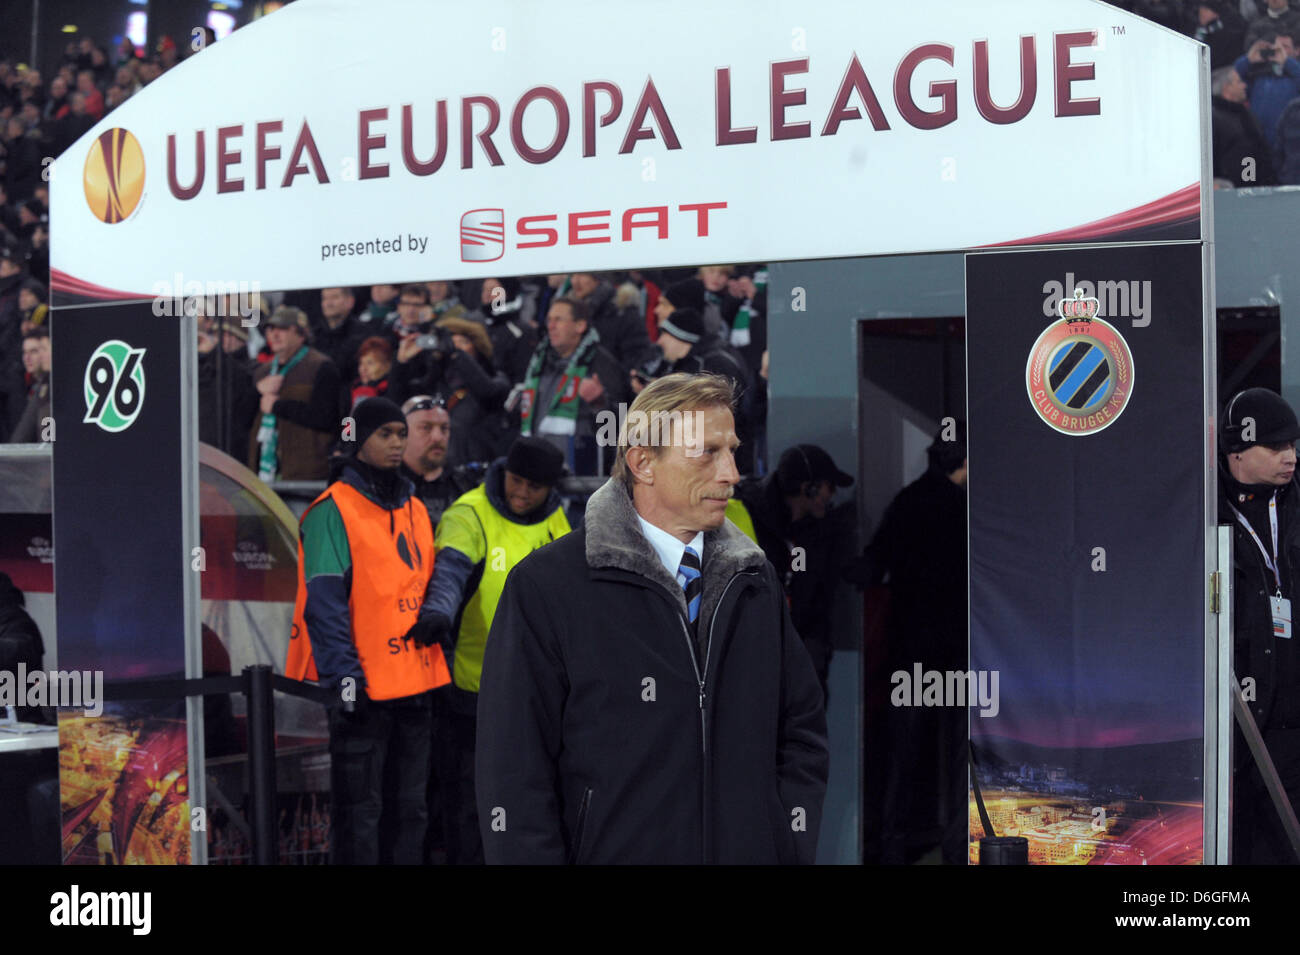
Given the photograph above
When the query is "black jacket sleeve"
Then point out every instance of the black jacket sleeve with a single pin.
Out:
(802, 756)
(489, 388)
(520, 720)
(321, 413)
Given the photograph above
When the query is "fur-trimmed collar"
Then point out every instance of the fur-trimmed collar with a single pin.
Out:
(614, 539)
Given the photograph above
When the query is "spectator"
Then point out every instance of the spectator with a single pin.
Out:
(1241, 154)
(1221, 28)
(375, 365)
(414, 314)
(1278, 17)
(688, 345)
(227, 399)
(56, 104)
(382, 310)
(13, 396)
(94, 98)
(22, 159)
(36, 362)
(299, 405)
(425, 461)
(570, 379)
(1288, 144)
(443, 300)
(622, 331)
(480, 539)
(513, 339)
(458, 367)
(71, 127)
(339, 334)
(1272, 78)
(719, 308)
(32, 311)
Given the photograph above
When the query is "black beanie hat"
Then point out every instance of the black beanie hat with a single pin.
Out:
(536, 459)
(688, 293)
(1273, 421)
(684, 324)
(370, 415)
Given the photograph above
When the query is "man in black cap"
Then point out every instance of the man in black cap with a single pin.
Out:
(1259, 497)
(480, 539)
(687, 344)
(365, 558)
(789, 508)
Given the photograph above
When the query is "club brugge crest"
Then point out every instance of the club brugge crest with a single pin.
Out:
(1080, 371)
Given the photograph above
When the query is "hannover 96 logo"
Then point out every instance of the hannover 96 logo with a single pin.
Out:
(114, 385)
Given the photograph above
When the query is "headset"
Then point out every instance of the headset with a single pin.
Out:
(1230, 430)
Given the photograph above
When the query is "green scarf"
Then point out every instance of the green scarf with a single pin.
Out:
(269, 434)
(562, 414)
(740, 327)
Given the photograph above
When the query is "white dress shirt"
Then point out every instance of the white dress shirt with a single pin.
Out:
(670, 549)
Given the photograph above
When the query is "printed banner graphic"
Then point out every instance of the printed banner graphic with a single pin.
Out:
(1087, 591)
(341, 152)
(119, 579)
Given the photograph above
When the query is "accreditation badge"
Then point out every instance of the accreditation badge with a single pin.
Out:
(1281, 608)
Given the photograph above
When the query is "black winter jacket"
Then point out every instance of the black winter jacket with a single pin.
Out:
(602, 739)
(1269, 661)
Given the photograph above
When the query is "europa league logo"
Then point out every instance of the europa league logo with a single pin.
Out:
(114, 175)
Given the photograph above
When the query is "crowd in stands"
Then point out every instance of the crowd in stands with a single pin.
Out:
(1255, 82)
(552, 356)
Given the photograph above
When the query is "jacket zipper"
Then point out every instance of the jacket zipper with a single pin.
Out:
(705, 788)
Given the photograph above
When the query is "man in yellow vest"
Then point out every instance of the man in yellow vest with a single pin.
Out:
(481, 537)
(365, 558)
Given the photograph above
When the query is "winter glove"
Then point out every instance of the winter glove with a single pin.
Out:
(429, 630)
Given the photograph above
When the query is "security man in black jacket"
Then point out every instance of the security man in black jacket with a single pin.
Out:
(1259, 496)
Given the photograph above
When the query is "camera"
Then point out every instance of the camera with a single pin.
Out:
(438, 341)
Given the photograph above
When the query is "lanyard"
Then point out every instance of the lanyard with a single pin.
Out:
(1272, 523)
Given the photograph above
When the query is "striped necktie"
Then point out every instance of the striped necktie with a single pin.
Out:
(688, 575)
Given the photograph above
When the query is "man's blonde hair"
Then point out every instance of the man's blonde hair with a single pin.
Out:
(656, 417)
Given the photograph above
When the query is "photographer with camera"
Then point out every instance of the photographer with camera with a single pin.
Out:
(453, 361)
(1272, 78)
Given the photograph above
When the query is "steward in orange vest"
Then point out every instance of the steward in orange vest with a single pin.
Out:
(366, 556)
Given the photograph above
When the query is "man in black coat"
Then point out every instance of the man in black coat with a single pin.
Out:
(622, 330)
(790, 508)
(921, 547)
(1257, 485)
(1236, 136)
(645, 697)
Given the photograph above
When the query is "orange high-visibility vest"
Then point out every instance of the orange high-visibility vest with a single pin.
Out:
(385, 597)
